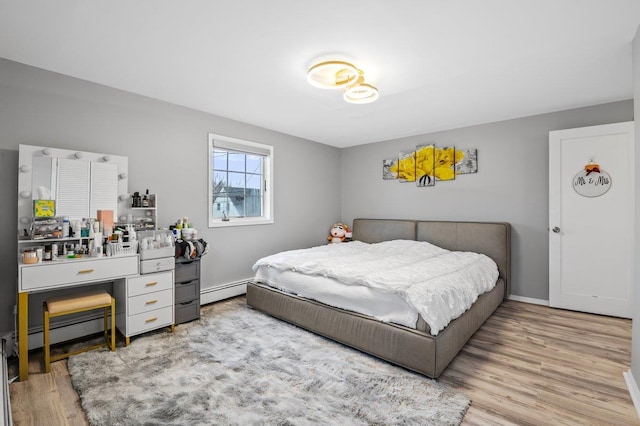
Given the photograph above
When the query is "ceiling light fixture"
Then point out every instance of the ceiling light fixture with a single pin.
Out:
(342, 75)
(360, 92)
(332, 75)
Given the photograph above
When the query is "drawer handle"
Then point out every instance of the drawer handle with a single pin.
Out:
(186, 282)
(151, 284)
(151, 319)
(85, 271)
(151, 302)
(187, 303)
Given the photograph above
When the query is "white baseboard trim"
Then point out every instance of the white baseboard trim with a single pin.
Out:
(633, 390)
(225, 291)
(528, 300)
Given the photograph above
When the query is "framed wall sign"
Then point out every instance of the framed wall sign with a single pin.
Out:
(592, 181)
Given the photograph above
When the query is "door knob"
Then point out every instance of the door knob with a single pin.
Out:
(556, 229)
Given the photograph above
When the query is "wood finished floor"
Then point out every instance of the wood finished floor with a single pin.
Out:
(527, 365)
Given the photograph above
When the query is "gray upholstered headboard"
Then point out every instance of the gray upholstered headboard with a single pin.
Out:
(490, 238)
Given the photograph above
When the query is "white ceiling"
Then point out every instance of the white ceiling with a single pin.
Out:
(438, 64)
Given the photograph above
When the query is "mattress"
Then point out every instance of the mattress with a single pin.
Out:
(385, 307)
(436, 284)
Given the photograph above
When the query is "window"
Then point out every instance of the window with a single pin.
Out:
(240, 182)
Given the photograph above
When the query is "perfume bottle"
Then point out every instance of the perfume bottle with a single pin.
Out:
(145, 199)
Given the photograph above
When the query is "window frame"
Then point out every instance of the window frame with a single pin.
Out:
(247, 147)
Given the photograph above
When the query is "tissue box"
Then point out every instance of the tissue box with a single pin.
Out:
(44, 208)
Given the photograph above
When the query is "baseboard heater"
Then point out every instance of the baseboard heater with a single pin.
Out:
(225, 291)
(69, 329)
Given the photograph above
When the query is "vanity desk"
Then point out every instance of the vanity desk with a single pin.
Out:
(46, 276)
(78, 185)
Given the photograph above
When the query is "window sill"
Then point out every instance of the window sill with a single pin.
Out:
(239, 222)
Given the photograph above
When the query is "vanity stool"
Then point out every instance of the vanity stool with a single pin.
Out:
(65, 305)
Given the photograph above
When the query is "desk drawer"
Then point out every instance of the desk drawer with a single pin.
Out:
(151, 320)
(149, 302)
(145, 284)
(157, 265)
(66, 273)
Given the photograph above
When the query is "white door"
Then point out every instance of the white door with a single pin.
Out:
(591, 219)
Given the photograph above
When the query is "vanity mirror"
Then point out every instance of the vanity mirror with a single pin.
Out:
(80, 182)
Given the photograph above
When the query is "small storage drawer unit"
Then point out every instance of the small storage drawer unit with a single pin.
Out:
(149, 303)
(187, 287)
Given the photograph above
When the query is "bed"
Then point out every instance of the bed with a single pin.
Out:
(414, 348)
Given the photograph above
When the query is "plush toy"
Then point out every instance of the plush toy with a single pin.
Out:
(338, 233)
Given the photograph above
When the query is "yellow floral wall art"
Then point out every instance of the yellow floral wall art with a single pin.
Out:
(468, 161)
(425, 165)
(390, 168)
(407, 166)
(445, 161)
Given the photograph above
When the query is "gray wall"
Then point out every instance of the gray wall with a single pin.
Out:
(511, 184)
(167, 149)
(635, 334)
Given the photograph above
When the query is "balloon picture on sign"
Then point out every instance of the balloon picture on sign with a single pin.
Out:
(592, 181)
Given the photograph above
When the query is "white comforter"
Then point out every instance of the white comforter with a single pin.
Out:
(439, 284)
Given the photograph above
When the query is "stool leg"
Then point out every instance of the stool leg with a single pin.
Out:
(113, 324)
(106, 323)
(45, 333)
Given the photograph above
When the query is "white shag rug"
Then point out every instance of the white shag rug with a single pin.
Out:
(239, 366)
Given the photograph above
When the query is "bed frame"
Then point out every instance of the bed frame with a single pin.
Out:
(413, 349)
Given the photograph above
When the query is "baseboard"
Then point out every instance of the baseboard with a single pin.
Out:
(633, 390)
(528, 300)
(225, 291)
